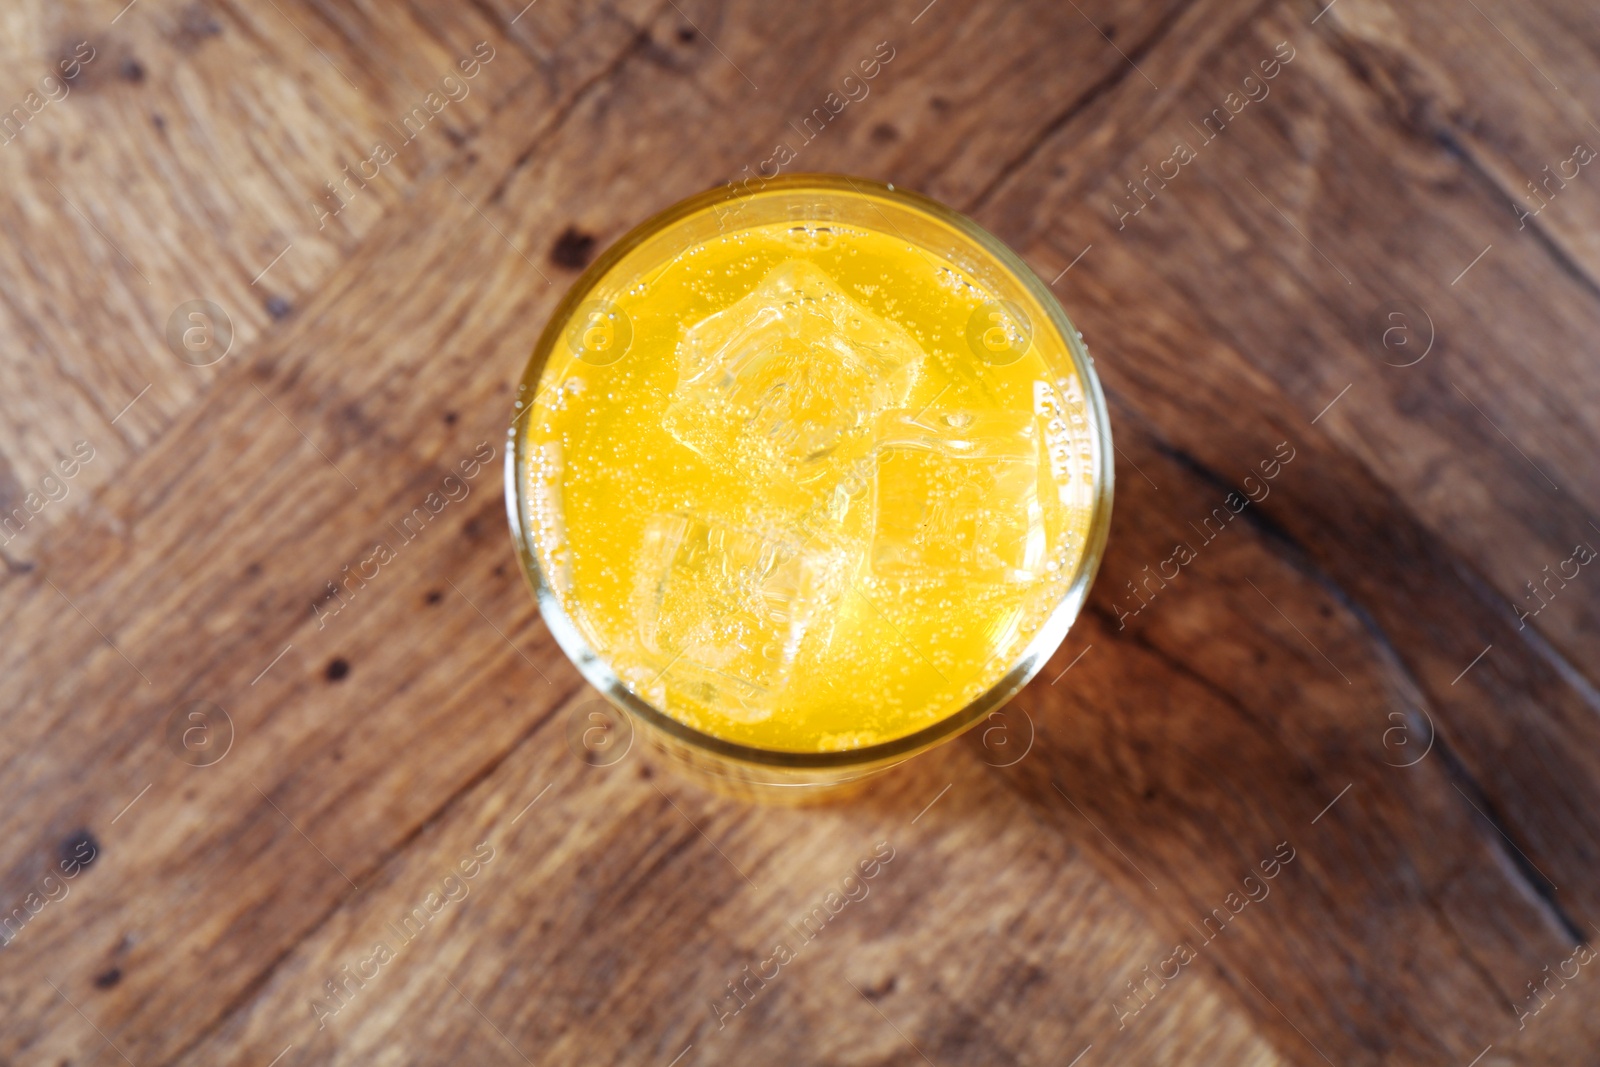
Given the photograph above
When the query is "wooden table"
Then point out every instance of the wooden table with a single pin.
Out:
(1325, 787)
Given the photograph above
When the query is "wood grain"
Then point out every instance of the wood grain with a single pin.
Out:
(1273, 700)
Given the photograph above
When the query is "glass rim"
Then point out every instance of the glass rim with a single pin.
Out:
(1026, 664)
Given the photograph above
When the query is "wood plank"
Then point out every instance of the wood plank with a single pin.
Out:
(1509, 91)
(222, 126)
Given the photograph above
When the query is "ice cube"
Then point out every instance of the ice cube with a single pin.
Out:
(786, 382)
(724, 610)
(957, 496)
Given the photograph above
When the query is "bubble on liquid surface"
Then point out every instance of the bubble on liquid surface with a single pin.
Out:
(811, 235)
(786, 382)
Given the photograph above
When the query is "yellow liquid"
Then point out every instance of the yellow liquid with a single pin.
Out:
(796, 489)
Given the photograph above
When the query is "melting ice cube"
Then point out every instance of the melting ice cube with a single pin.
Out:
(789, 378)
(957, 496)
(724, 610)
